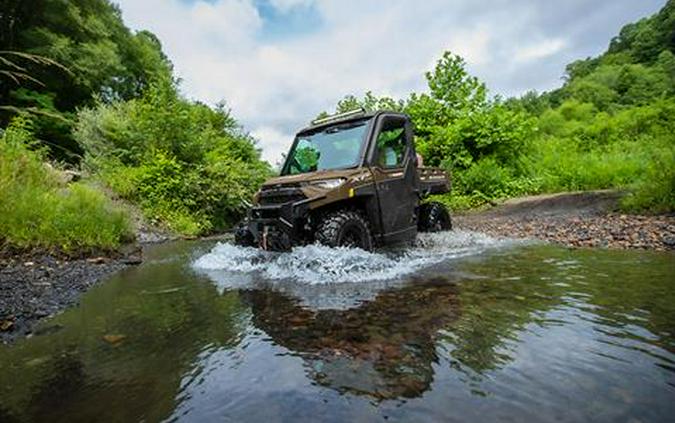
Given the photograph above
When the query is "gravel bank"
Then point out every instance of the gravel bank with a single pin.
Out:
(585, 219)
(36, 287)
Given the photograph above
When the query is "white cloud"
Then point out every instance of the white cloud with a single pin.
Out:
(473, 46)
(540, 50)
(275, 85)
(277, 142)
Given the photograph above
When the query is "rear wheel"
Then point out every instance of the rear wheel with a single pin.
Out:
(345, 228)
(433, 217)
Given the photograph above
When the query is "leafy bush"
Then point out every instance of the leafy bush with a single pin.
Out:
(654, 189)
(616, 150)
(38, 211)
(563, 165)
(188, 166)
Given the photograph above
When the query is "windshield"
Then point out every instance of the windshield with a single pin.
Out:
(336, 147)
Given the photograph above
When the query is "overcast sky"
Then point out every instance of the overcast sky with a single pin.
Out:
(277, 63)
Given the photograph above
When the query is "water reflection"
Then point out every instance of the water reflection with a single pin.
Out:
(383, 348)
(535, 333)
(120, 355)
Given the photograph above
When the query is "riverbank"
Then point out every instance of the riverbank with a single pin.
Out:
(37, 286)
(577, 219)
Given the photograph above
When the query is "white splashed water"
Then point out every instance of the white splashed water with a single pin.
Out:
(316, 264)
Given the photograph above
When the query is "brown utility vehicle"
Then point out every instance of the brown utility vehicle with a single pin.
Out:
(353, 180)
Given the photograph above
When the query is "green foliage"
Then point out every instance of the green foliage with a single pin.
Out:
(610, 126)
(369, 103)
(187, 165)
(488, 176)
(481, 141)
(531, 102)
(40, 211)
(494, 132)
(71, 53)
(563, 165)
(190, 167)
(452, 86)
(582, 149)
(645, 39)
(654, 189)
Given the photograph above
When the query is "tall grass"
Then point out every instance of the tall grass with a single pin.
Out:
(654, 188)
(39, 211)
(576, 150)
(563, 165)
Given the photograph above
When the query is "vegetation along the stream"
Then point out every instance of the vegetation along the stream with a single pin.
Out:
(82, 92)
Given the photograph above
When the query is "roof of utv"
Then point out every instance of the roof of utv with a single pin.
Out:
(351, 116)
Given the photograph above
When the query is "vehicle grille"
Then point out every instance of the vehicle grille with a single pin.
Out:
(280, 196)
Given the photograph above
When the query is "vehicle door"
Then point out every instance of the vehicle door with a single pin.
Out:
(394, 169)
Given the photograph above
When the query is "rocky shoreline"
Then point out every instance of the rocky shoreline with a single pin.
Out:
(584, 219)
(39, 285)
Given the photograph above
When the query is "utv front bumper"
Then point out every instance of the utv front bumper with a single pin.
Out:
(279, 227)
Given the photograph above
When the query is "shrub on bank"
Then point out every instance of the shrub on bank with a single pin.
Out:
(40, 211)
(654, 189)
(578, 148)
(188, 166)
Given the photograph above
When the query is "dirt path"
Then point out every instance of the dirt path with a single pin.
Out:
(577, 219)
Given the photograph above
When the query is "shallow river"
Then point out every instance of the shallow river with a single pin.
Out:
(463, 328)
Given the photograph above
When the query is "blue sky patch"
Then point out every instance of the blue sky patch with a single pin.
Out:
(279, 24)
(298, 21)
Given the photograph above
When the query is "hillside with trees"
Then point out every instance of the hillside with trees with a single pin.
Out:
(611, 125)
(80, 92)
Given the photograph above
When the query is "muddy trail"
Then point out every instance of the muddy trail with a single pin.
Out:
(577, 219)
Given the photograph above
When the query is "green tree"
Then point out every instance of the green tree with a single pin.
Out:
(189, 166)
(451, 85)
(104, 58)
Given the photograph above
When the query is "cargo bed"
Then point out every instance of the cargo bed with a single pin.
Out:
(433, 180)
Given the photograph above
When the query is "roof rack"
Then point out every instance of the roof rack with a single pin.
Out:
(339, 116)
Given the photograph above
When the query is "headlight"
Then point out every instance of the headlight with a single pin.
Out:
(329, 183)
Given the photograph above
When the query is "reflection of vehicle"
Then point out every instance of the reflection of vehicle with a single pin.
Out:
(366, 350)
(349, 180)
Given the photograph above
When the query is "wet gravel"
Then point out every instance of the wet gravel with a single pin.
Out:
(587, 219)
(39, 286)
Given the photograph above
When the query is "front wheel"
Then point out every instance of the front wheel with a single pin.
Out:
(433, 217)
(345, 228)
